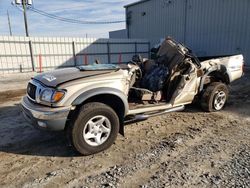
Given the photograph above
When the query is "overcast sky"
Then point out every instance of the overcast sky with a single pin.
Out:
(90, 10)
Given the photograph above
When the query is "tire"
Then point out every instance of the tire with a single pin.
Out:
(214, 97)
(95, 128)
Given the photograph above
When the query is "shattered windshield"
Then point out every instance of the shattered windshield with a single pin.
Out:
(98, 67)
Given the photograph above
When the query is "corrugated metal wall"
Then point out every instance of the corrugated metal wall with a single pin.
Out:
(157, 18)
(209, 27)
(218, 27)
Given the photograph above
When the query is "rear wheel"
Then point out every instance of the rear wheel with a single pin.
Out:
(214, 97)
(95, 129)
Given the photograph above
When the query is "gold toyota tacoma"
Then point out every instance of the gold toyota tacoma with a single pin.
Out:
(93, 103)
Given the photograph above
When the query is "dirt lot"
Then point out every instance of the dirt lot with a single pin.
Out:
(184, 149)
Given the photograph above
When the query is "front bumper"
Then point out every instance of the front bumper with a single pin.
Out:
(43, 117)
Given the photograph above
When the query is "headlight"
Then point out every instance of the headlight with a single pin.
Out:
(46, 95)
(51, 96)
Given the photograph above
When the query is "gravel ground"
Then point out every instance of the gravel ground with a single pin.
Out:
(14, 81)
(184, 149)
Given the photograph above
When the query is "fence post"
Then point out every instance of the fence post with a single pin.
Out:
(74, 53)
(120, 59)
(21, 68)
(40, 63)
(86, 59)
(108, 49)
(136, 50)
(149, 51)
(31, 55)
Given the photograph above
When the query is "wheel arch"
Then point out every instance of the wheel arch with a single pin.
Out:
(218, 73)
(109, 96)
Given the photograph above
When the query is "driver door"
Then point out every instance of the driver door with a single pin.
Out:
(187, 88)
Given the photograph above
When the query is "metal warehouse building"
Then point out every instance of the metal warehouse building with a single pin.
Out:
(209, 27)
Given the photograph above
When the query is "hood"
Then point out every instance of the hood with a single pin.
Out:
(60, 76)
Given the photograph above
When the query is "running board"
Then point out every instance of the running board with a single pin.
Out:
(149, 109)
(142, 117)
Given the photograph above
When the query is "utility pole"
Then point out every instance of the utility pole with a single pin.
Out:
(24, 3)
(9, 23)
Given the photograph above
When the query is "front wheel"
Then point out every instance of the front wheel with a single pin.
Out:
(214, 97)
(95, 129)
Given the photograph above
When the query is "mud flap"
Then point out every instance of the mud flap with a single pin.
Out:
(121, 130)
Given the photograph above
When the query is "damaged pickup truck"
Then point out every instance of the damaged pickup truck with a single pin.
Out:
(93, 103)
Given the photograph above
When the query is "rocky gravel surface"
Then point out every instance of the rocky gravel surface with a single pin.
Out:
(183, 149)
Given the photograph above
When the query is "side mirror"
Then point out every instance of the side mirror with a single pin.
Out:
(154, 50)
(137, 59)
(97, 61)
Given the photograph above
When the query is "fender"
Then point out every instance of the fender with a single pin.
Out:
(219, 68)
(100, 91)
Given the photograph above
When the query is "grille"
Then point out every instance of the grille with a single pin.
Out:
(31, 90)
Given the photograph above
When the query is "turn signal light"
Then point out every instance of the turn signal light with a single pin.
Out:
(57, 96)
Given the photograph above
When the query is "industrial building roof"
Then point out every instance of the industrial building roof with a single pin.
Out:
(135, 3)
